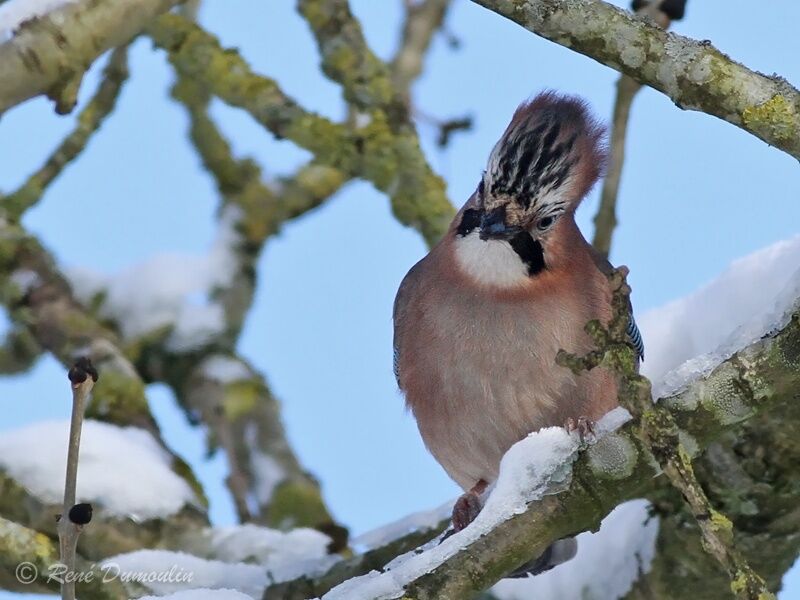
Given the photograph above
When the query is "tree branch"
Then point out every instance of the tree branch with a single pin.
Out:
(49, 54)
(423, 20)
(693, 74)
(89, 122)
(391, 159)
(605, 221)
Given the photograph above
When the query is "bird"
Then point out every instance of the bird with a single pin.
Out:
(479, 320)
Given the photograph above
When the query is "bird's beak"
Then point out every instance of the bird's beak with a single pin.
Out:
(494, 227)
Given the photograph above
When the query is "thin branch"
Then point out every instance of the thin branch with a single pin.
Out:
(49, 55)
(694, 74)
(82, 376)
(605, 221)
(89, 122)
(423, 20)
(348, 60)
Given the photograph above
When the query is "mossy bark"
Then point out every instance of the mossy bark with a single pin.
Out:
(693, 74)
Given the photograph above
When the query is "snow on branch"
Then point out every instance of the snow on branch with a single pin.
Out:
(692, 73)
(123, 470)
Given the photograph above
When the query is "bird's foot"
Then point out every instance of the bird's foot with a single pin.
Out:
(583, 425)
(468, 506)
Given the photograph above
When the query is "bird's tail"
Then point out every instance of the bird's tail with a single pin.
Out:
(557, 553)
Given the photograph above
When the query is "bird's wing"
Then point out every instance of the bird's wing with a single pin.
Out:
(404, 293)
(634, 336)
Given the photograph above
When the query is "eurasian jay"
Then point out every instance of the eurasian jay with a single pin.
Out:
(478, 322)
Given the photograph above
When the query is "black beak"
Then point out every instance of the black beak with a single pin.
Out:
(493, 225)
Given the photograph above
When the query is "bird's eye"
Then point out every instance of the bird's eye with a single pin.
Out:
(545, 223)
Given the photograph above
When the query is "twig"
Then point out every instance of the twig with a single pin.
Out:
(606, 219)
(422, 22)
(71, 521)
(89, 122)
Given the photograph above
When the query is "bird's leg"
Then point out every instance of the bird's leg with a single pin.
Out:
(583, 425)
(468, 506)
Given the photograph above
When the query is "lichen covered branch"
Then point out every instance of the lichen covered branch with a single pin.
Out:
(660, 433)
(89, 122)
(380, 152)
(692, 73)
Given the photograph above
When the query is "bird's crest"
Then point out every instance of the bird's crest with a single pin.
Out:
(547, 159)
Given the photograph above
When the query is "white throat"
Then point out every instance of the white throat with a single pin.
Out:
(490, 262)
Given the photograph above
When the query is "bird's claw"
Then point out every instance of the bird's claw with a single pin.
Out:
(583, 425)
(465, 510)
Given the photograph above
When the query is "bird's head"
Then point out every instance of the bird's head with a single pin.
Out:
(546, 161)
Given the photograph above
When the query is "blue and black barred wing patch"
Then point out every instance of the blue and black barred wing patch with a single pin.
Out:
(635, 338)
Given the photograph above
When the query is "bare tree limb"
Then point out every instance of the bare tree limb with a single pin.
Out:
(48, 55)
(694, 75)
(423, 20)
(605, 221)
(89, 122)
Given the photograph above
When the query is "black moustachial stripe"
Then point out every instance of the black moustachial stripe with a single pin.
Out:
(530, 252)
(470, 220)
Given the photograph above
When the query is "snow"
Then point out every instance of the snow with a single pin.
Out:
(155, 568)
(247, 559)
(418, 521)
(15, 12)
(25, 280)
(121, 469)
(224, 369)
(286, 555)
(539, 464)
(201, 594)
(687, 338)
(624, 547)
(267, 472)
(168, 289)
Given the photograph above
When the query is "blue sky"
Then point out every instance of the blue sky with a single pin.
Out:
(696, 193)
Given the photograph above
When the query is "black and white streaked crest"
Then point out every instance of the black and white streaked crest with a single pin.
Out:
(532, 162)
(547, 159)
